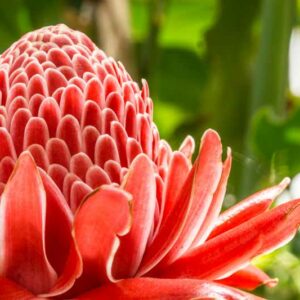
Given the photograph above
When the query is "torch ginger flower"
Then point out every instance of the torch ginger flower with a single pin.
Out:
(94, 205)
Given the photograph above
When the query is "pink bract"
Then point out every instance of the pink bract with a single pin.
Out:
(94, 205)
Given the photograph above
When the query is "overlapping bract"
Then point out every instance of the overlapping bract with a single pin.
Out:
(94, 205)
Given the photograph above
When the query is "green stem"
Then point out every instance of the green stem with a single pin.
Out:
(270, 80)
(270, 76)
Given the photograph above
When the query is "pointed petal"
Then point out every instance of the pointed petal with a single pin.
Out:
(156, 289)
(140, 183)
(248, 208)
(177, 174)
(191, 206)
(99, 221)
(233, 249)
(249, 278)
(22, 214)
(215, 206)
(204, 187)
(10, 290)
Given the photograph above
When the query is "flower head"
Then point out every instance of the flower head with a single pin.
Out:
(95, 205)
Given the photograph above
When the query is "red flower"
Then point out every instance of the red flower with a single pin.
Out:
(76, 136)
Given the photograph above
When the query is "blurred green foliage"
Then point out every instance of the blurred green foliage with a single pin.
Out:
(209, 63)
(23, 16)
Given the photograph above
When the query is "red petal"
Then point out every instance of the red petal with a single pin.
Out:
(67, 185)
(10, 290)
(7, 165)
(94, 91)
(60, 246)
(17, 103)
(33, 68)
(36, 132)
(72, 101)
(145, 89)
(157, 289)
(58, 225)
(95, 177)
(249, 278)
(106, 149)
(19, 89)
(188, 147)
(58, 152)
(113, 169)
(140, 183)
(78, 191)
(184, 221)
(50, 112)
(130, 120)
(233, 249)
(58, 174)
(110, 85)
(35, 103)
(69, 130)
(2, 186)
(145, 134)
(40, 156)
(37, 85)
(81, 65)
(17, 128)
(3, 85)
(133, 148)
(6, 145)
(91, 115)
(89, 138)
(99, 221)
(248, 208)
(107, 117)
(79, 164)
(23, 212)
(115, 102)
(21, 78)
(204, 187)
(120, 136)
(215, 206)
(59, 57)
(177, 173)
(54, 80)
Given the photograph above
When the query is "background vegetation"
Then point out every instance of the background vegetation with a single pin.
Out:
(210, 63)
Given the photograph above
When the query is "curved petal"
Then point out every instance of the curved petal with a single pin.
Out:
(99, 221)
(189, 211)
(204, 186)
(72, 270)
(249, 278)
(60, 246)
(140, 183)
(178, 170)
(187, 147)
(230, 251)
(22, 216)
(10, 290)
(248, 208)
(216, 204)
(168, 289)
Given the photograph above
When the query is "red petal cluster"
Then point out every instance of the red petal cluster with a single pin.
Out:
(95, 206)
